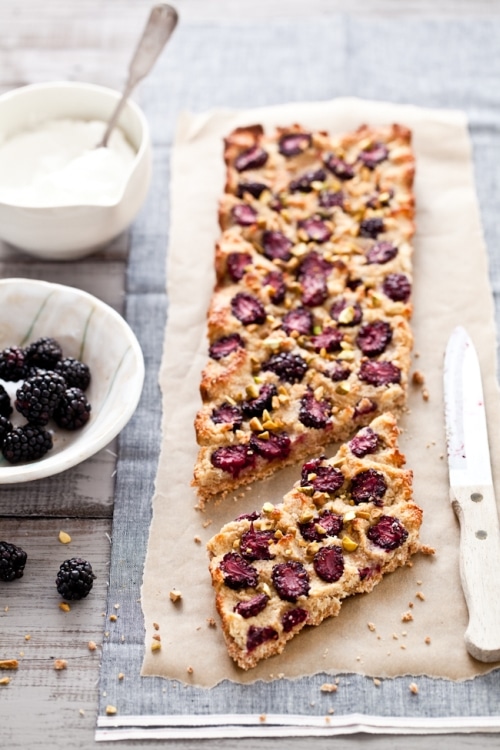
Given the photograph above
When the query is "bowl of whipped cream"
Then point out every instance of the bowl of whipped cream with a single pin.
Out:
(62, 195)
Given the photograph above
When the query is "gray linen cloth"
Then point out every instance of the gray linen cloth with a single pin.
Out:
(430, 63)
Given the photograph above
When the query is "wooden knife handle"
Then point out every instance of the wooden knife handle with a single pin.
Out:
(480, 568)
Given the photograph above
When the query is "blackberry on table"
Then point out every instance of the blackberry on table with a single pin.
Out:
(26, 443)
(5, 405)
(75, 373)
(75, 578)
(39, 395)
(12, 561)
(44, 352)
(12, 364)
(73, 409)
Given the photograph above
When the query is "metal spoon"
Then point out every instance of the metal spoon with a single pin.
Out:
(161, 23)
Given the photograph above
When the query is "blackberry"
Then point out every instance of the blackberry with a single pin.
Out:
(44, 352)
(26, 443)
(73, 409)
(75, 578)
(5, 428)
(5, 405)
(12, 561)
(39, 395)
(12, 363)
(75, 373)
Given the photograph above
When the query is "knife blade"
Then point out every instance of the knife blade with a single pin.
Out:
(472, 495)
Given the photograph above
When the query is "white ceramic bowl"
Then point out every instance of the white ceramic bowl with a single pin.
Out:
(69, 232)
(91, 331)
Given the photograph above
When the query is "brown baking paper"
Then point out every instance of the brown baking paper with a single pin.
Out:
(372, 635)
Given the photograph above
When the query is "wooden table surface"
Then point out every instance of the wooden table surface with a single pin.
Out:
(91, 40)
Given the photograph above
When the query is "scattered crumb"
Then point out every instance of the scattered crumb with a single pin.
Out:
(420, 596)
(155, 646)
(197, 539)
(156, 637)
(190, 670)
(116, 606)
(406, 617)
(111, 710)
(113, 618)
(64, 538)
(106, 633)
(122, 639)
(425, 394)
(419, 583)
(91, 646)
(207, 523)
(156, 626)
(4, 680)
(328, 687)
(413, 688)
(21, 653)
(427, 639)
(65, 607)
(262, 717)
(327, 719)
(426, 550)
(211, 622)
(6, 609)
(27, 637)
(9, 664)
(395, 636)
(331, 710)
(120, 675)
(404, 633)
(371, 626)
(411, 605)
(403, 647)
(175, 595)
(60, 664)
(81, 712)
(409, 564)
(377, 682)
(418, 377)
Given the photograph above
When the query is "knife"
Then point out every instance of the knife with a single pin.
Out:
(472, 495)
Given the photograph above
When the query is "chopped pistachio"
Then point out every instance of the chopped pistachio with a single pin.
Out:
(349, 516)
(343, 388)
(268, 508)
(252, 391)
(346, 354)
(306, 516)
(255, 424)
(349, 544)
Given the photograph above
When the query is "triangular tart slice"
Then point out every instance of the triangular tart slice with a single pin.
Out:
(349, 520)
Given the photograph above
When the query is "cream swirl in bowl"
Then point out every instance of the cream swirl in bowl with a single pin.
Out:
(61, 198)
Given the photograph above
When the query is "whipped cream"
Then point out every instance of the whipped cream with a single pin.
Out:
(56, 163)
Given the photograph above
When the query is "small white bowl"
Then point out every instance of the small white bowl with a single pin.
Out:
(70, 232)
(90, 331)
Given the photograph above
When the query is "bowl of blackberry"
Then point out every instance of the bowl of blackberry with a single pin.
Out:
(71, 375)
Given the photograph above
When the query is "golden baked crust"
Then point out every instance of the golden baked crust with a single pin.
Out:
(291, 565)
(308, 325)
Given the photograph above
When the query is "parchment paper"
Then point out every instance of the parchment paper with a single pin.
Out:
(371, 635)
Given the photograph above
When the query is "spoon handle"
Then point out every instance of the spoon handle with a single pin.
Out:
(159, 27)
